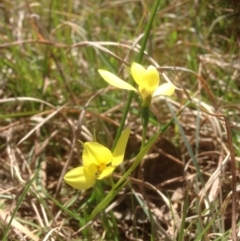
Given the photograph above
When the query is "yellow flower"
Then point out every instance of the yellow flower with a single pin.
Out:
(147, 80)
(98, 162)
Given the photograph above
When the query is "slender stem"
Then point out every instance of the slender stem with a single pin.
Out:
(147, 30)
(144, 131)
(125, 112)
(112, 182)
(139, 59)
(145, 120)
(145, 110)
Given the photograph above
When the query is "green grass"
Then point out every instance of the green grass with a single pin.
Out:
(50, 97)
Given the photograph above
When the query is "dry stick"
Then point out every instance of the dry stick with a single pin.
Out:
(29, 41)
(76, 135)
(81, 116)
(69, 159)
(38, 29)
(134, 45)
(234, 180)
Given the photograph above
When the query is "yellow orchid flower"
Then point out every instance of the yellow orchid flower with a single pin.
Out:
(98, 163)
(147, 80)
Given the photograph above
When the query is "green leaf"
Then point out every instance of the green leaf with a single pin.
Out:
(123, 181)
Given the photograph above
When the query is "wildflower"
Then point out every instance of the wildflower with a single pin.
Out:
(98, 163)
(147, 80)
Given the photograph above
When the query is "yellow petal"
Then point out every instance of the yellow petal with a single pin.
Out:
(118, 153)
(92, 169)
(77, 178)
(113, 80)
(106, 172)
(138, 72)
(151, 79)
(164, 89)
(95, 153)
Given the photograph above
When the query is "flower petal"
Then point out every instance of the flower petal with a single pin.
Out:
(169, 81)
(113, 80)
(118, 153)
(78, 178)
(138, 72)
(164, 89)
(106, 172)
(96, 153)
(92, 169)
(151, 79)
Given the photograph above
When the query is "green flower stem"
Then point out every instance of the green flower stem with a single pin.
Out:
(112, 182)
(145, 120)
(140, 56)
(147, 30)
(126, 110)
(144, 130)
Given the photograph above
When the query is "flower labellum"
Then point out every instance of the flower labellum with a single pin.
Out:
(98, 163)
(147, 80)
